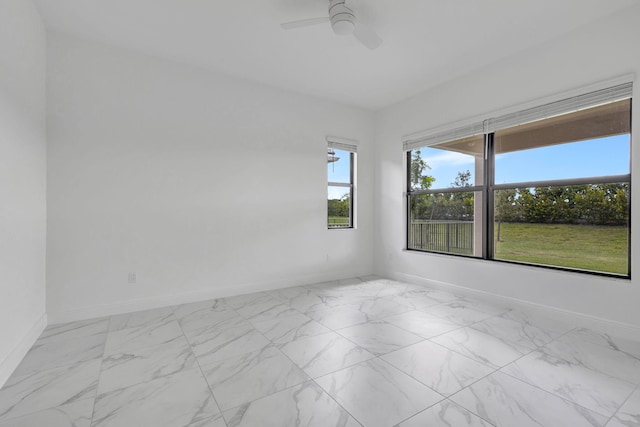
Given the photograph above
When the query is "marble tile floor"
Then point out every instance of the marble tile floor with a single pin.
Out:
(366, 352)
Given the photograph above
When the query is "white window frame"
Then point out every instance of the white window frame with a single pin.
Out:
(350, 146)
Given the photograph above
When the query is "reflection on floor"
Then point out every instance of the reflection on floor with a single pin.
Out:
(364, 352)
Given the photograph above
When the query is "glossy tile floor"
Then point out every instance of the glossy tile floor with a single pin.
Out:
(365, 352)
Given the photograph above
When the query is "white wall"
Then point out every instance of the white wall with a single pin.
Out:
(22, 181)
(606, 49)
(202, 184)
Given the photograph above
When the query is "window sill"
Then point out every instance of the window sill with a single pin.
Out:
(529, 266)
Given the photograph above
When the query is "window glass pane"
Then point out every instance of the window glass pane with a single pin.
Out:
(445, 222)
(575, 226)
(451, 164)
(588, 143)
(579, 226)
(338, 165)
(573, 212)
(339, 207)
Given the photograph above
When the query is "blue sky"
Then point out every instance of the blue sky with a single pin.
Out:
(339, 172)
(597, 157)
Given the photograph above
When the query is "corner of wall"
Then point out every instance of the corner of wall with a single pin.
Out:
(23, 166)
(11, 362)
(613, 328)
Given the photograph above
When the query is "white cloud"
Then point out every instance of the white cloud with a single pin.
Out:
(449, 158)
(337, 192)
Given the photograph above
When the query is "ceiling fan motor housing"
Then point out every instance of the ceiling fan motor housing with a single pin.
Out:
(343, 21)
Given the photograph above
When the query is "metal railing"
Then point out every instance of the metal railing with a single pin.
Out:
(441, 236)
(339, 222)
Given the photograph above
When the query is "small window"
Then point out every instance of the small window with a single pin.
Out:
(340, 194)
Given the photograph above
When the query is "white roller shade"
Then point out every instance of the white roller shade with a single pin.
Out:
(342, 144)
(569, 105)
(444, 136)
(619, 89)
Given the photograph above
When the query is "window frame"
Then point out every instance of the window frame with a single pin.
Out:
(446, 190)
(489, 188)
(350, 185)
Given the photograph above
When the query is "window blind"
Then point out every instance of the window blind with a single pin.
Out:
(342, 144)
(444, 136)
(617, 92)
(569, 105)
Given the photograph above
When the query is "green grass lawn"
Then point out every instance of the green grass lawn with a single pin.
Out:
(338, 221)
(588, 247)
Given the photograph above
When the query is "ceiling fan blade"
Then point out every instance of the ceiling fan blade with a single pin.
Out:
(367, 36)
(304, 23)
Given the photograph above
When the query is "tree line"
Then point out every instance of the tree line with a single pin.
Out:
(594, 204)
(339, 207)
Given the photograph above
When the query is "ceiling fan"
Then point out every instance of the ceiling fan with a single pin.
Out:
(343, 21)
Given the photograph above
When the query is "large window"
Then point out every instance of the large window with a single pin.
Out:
(548, 186)
(341, 161)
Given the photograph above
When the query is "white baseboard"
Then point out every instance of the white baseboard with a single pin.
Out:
(11, 362)
(611, 327)
(619, 329)
(110, 309)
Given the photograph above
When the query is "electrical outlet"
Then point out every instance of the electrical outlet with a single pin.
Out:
(132, 278)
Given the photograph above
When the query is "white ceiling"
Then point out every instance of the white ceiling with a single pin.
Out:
(426, 42)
